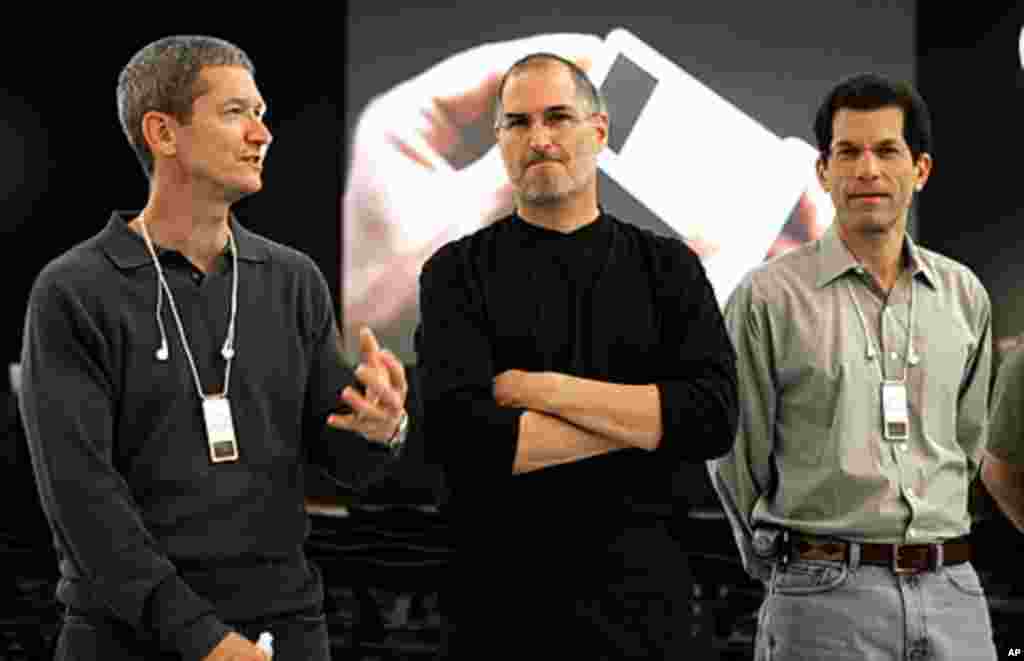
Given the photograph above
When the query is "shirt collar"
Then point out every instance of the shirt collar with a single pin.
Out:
(128, 250)
(836, 260)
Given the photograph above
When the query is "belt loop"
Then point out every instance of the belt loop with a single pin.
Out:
(939, 556)
(852, 555)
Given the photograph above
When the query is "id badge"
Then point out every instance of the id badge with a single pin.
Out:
(895, 414)
(220, 430)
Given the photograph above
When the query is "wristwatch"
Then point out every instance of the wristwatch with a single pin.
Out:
(395, 444)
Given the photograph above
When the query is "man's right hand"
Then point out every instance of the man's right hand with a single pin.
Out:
(236, 648)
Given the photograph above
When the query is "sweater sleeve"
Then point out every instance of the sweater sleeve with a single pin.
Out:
(345, 457)
(698, 383)
(468, 434)
(68, 406)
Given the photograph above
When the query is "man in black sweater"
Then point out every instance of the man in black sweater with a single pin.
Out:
(569, 362)
(178, 371)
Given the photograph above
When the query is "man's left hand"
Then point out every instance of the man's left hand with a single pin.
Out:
(376, 412)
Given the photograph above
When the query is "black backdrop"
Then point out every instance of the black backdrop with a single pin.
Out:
(969, 71)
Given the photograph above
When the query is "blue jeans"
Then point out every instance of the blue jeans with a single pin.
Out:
(85, 637)
(818, 610)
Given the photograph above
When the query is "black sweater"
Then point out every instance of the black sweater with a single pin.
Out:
(148, 531)
(610, 302)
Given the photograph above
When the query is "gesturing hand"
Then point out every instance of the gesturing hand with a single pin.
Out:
(377, 411)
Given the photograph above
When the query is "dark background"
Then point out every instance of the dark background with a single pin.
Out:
(968, 69)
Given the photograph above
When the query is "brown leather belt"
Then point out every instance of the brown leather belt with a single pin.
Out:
(901, 558)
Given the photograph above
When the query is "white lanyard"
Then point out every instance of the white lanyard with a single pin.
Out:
(911, 357)
(893, 394)
(227, 351)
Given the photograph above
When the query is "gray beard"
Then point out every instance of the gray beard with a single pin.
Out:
(542, 198)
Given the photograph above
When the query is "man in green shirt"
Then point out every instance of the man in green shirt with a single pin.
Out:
(864, 365)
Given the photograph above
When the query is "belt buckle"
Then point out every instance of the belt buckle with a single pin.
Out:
(896, 569)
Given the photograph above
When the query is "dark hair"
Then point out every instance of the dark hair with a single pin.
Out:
(163, 76)
(871, 92)
(586, 91)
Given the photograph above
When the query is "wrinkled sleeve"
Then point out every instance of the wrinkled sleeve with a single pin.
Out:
(744, 474)
(1006, 431)
(972, 425)
(342, 456)
(329, 372)
(697, 384)
(68, 405)
(472, 438)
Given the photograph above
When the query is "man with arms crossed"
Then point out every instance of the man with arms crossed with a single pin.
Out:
(178, 373)
(864, 364)
(570, 362)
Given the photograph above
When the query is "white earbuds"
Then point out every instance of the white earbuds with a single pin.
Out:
(162, 353)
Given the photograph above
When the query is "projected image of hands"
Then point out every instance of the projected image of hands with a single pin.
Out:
(424, 170)
(412, 185)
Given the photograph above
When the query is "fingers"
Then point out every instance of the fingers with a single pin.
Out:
(368, 345)
(374, 420)
(395, 371)
(380, 393)
(376, 430)
(382, 373)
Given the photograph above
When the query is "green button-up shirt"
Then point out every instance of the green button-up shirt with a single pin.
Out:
(810, 454)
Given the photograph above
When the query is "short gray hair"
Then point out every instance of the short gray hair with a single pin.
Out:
(164, 77)
(586, 91)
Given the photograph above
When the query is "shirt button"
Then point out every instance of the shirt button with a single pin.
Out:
(893, 355)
